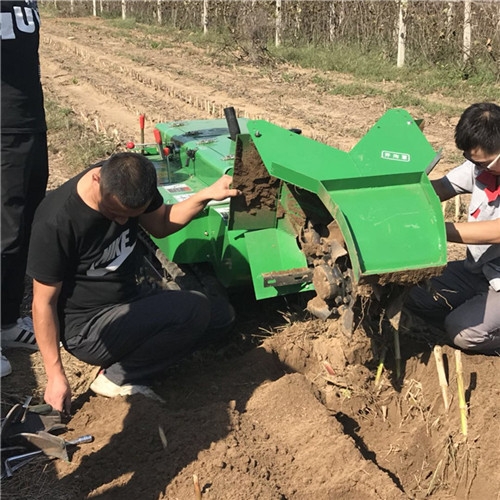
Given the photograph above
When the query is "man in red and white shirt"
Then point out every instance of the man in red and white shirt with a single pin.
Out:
(465, 299)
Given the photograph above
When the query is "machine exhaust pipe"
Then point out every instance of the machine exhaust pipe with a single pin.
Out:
(232, 122)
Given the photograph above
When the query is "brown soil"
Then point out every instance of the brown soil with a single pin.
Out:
(253, 180)
(290, 409)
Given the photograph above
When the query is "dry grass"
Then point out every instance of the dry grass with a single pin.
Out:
(39, 480)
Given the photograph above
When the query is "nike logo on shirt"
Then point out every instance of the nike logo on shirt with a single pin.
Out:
(113, 256)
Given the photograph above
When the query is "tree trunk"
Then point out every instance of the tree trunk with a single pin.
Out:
(403, 7)
(278, 23)
(467, 29)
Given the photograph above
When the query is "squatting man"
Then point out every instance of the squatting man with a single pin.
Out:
(84, 260)
(465, 299)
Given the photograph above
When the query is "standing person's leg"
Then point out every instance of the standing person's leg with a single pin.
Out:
(446, 292)
(135, 341)
(24, 182)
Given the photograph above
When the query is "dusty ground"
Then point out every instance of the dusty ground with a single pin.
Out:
(262, 418)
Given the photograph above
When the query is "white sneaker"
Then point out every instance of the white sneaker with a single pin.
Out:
(20, 335)
(104, 387)
(5, 368)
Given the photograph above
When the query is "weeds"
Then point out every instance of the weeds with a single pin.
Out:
(71, 139)
(456, 466)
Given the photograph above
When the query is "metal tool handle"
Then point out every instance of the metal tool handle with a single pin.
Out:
(15, 458)
(26, 404)
(9, 469)
(82, 439)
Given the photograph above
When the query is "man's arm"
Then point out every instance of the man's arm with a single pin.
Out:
(474, 233)
(443, 188)
(469, 233)
(46, 323)
(170, 218)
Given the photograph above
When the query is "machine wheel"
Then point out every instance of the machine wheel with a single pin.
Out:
(326, 281)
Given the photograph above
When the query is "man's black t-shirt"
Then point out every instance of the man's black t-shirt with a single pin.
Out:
(22, 97)
(91, 255)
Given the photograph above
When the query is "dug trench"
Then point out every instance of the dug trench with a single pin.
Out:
(289, 409)
(285, 411)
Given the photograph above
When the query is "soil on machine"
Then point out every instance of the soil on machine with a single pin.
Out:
(289, 409)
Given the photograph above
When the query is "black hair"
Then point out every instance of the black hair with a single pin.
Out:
(479, 127)
(130, 177)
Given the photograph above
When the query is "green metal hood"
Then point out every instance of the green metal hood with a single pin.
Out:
(379, 192)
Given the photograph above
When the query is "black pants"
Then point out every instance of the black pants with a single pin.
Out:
(24, 181)
(138, 340)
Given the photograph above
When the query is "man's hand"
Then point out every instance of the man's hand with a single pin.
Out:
(58, 394)
(221, 189)
(168, 219)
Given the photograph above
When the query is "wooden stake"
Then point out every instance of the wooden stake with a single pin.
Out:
(397, 354)
(163, 437)
(197, 489)
(380, 367)
(438, 355)
(457, 207)
(461, 392)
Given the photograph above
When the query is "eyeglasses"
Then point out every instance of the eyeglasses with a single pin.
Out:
(482, 164)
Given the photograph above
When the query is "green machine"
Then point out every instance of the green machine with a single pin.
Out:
(311, 217)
